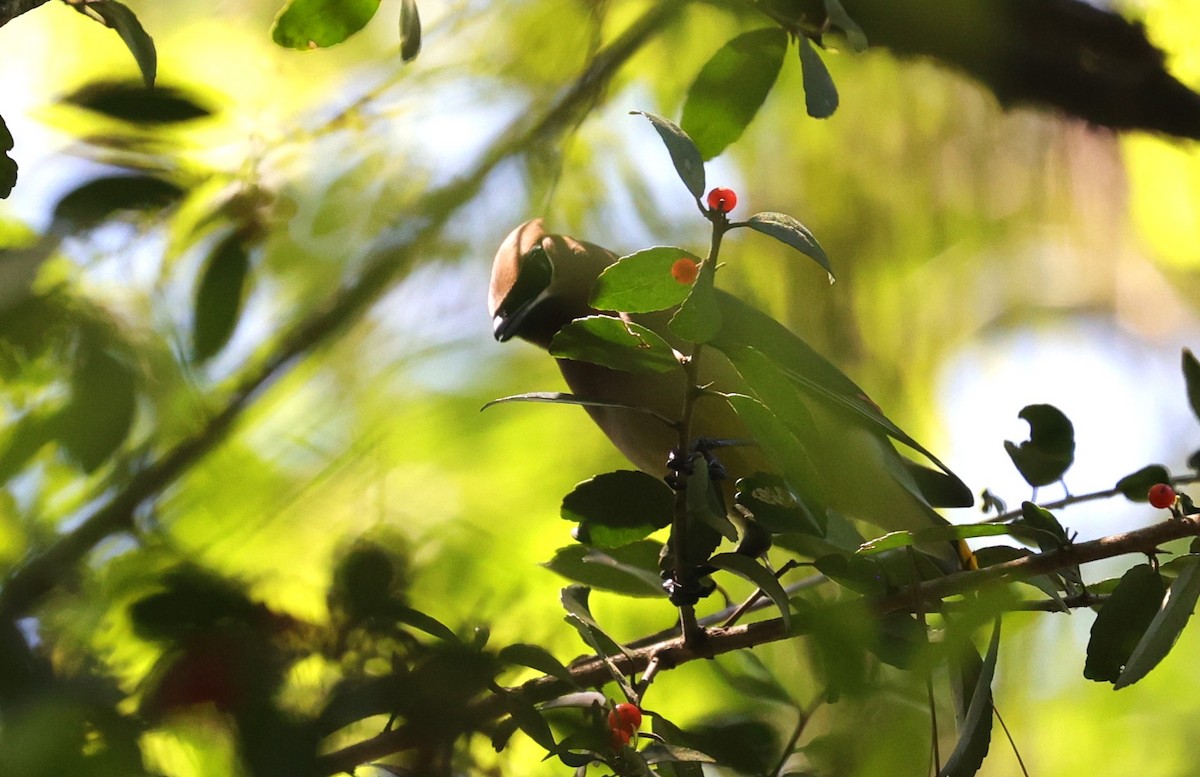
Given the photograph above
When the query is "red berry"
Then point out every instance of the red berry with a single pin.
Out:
(1161, 496)
(623, 722)
(722, 200)
(627, 715)
(685, 271)
(618, 738)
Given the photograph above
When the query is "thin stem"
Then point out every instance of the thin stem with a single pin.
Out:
(805, 715)
(684, 570)
(1070, 500)
(757, 596)
(390, 258)
(1011, 743)
(935, 747)
(933, 725)
(643, 685)
(692, 633)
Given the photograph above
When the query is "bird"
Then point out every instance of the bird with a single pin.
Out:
(541, 282)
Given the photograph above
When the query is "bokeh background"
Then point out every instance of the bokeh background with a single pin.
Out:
(986, 259)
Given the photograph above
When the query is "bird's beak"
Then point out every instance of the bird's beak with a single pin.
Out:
(530, 288)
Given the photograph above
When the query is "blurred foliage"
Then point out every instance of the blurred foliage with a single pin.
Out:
(345, 529)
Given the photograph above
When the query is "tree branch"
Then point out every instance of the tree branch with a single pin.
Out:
(390, 258)
(1069, 55)
(1073, 499)
(673, 652)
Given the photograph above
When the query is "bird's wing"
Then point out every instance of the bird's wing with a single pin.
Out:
(746, 329)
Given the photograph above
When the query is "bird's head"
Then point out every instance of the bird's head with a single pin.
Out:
(541, 282)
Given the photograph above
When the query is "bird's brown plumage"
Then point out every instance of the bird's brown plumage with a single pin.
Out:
(859, 471)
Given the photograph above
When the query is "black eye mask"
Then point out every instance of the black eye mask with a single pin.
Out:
(533, 281)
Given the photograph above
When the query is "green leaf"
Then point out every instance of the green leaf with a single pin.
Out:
(751, 677)
(574, 599)
(775, 506)
(662, 752)
(1050, 449)
(631, 570)
(219, 296)
(931, 535)
(8, 165)
(423, 622)
(862, 574)
(560, 398)
(938, 488)
(133, 102)
(535, 657)
(579, 748)
(22, 669)
(838, 638)
(102, 198)
(759, 575)
(787, 405)
(731, 87)
(698, 319)
(1122, 622)
(976, 731)
(740, 744)
(791, 232)
(641, 282)
(670, 734)
(117, 16)
(684, 154)
(190, 601)
(744, 327)
(310, 24)
(1039, 526)
(704, 502)
(785, 450)
(1048, 534)
(901, 639)
(820, 94)
(410, 30)
(999, 554)
(100, 412)
(617, 508)
(613, 343)
(22, 440)
(362, 581)
(1191, 377)
(1135, 486)
(781, 397)
(839, 19)
(1167, 625)
(529, 720)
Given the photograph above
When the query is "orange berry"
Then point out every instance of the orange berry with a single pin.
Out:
(685, 271)
(1161, 496)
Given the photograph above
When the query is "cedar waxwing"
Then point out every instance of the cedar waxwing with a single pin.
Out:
(535, 293)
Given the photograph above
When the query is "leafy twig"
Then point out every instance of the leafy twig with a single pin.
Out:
(673, 652)
(1080, 498)
(391, 256)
